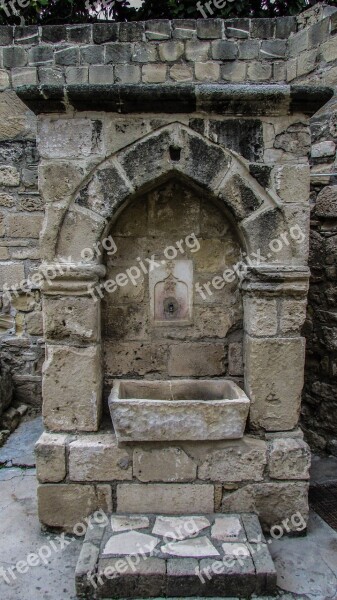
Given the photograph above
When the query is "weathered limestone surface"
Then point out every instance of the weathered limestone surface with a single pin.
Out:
(50, 453)
(72, 388)
(273, 502)
(283, 50)
(67, 138)
(292, 315)
(275, 398)
(236, 461)
(66, 505)
(292, 182)
(289, 459)
(166, 464)
(196, 359)
(266, 189)
(98, 458)
(178, 410)
(179, 420)
(170, 498)
(71, 319)
(170, 213)
(260, 316)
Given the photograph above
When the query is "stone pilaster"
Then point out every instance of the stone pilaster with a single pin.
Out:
(274, 306)
(72, 373)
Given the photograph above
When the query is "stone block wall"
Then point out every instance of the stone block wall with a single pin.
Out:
(253, 51)
(204, 50)
(22, 215)
(320, 407)
(85, 472)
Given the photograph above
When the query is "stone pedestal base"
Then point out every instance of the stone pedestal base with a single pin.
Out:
(86, 472)
(147, 556)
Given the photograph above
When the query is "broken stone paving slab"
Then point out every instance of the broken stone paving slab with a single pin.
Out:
(179, 528)
(120, 523)
(16, 473)
(196, 548)
(132, 542)
(228, 529)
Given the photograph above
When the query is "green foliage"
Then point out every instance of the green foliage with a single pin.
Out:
(184, 9)
(64, 11)
(84, 11)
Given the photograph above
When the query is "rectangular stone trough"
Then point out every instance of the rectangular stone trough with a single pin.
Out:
(175, 410)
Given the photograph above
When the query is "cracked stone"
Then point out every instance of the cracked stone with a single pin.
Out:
(179, 528)
(226, 529)
(120, 523)
(196, 548)
(131, 542)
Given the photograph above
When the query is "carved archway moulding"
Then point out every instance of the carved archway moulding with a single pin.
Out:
(83, 218)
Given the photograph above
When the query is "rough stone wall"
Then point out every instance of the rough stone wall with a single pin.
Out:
(319, 408)
(253, 51)
(21, 221)
(212, 50)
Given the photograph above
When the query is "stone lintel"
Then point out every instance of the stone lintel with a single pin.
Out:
(224, 99)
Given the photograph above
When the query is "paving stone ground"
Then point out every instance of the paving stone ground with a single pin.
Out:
(306, 567)
(19, 449)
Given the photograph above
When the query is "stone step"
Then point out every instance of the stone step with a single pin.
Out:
(152, 556)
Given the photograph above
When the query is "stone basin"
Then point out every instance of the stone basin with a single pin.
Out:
(151, 411)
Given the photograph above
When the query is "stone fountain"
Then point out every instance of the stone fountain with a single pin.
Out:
(187, 324)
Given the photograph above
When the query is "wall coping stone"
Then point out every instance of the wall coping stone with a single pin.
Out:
(225, 99)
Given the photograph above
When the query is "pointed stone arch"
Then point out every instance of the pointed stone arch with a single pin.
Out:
(83, 219)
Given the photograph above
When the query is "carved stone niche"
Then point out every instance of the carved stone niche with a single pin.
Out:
(259, 211)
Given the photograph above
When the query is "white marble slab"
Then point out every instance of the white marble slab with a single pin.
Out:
(226, 529)
(132, 542)
(179, 528)
(195, 548)
(120, 523)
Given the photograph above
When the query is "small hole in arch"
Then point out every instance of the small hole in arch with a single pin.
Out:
(175, 153)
